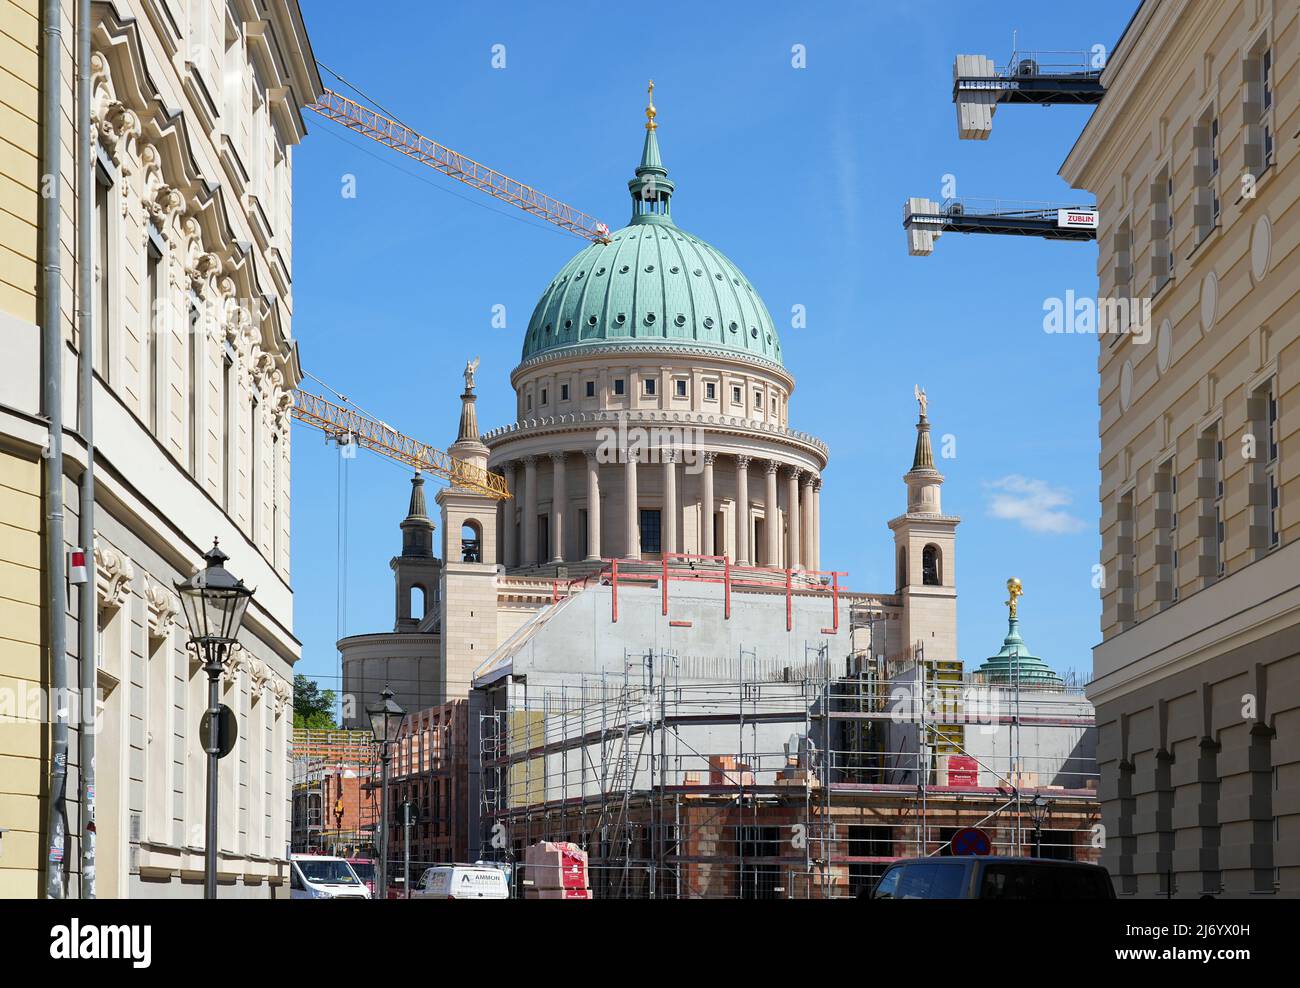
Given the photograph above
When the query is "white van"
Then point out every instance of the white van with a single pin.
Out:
(316, 876)
(462, 882)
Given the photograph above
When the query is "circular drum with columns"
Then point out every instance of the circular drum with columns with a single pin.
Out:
(653, 408)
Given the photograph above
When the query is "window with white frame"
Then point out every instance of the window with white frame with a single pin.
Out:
(105, 257)
(193, 354)
(232, 76)
(154, 281)
(228, 428)
(255, 468)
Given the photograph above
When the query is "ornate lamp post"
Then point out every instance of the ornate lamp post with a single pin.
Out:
(386, 718)
(214, 603)
(1038, 810)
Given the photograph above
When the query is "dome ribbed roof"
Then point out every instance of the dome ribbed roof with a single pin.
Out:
(652, 283)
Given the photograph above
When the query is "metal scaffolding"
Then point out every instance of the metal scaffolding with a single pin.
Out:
(674, 785)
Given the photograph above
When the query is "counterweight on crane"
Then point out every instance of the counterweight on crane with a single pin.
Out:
(1034, 78)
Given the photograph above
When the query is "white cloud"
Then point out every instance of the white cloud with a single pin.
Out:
(1034, 504)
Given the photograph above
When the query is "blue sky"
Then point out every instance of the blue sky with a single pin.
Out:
(799, 175)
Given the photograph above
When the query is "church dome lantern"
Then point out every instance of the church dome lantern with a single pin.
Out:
(652, 284)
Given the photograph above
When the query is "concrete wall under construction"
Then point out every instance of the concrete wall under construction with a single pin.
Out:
(562, 677)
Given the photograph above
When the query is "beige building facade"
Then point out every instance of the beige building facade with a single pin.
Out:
(1192, 156)
(195, 111)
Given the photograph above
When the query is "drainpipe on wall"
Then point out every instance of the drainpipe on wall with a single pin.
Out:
(88, 608)
(52, 404)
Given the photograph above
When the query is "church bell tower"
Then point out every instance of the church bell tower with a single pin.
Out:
(469, 552)
(925, 542)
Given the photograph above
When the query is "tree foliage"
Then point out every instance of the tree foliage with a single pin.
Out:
(313, 707)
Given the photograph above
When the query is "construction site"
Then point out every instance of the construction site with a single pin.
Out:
(752, 777)
(337, 783)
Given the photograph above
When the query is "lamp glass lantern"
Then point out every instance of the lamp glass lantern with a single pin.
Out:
(386, 718)
(1038, 809)
(214, 601)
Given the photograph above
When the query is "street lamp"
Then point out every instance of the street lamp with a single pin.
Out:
(214, 603)
(1038, 811)
(386, 724)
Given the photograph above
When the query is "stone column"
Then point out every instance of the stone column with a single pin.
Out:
(742, 510)
(793, 559)
(669, 543)
(510, 525)
(593, 506)
(528, 551)
(809, 560)
(559, 505)
(772, 516)
(706, 507)
(815, 523)
(631, 518)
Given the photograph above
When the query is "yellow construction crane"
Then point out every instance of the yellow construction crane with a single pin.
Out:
(347, 426)
(396, 135)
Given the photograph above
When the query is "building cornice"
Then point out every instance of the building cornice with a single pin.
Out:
(389, 638)
(583, 421)
(676, 349)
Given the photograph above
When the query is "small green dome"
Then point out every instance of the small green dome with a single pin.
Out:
(652, 284)
(1014, 664)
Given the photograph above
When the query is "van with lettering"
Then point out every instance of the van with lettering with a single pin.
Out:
(462, 882)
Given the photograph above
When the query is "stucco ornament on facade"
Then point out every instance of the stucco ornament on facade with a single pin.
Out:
(281, 695)
(162, 607)
(259, 677)
(117, 125)
(114, 573)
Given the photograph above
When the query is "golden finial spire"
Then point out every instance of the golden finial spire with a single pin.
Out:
(1014, 593)
(650, 107)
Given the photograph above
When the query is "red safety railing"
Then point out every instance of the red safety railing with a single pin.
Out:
(685, 567)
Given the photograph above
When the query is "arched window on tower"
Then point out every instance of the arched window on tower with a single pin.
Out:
(416, 604)
(902, 566)
(471, 542)
(931, 566)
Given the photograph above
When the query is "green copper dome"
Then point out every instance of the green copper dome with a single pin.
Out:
(1014, 663)
(652, 284)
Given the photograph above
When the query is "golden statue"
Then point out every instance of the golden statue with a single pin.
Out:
(650, 107)
(1015, 592)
